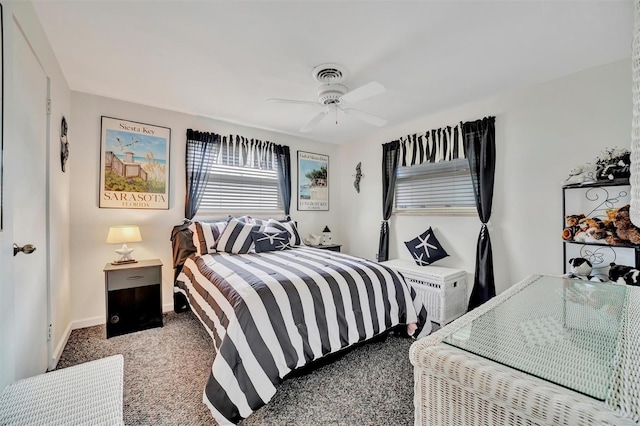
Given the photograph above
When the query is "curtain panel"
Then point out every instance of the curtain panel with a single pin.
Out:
(390, 159)
(206, 149)
(283, 161)
(479, 140)
(200, 155)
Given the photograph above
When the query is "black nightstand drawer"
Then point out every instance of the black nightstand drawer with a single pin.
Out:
(131, 278)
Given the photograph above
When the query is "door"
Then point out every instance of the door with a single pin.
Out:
(28, 185)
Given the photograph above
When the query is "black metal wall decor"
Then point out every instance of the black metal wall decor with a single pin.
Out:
(358, 176)
(64, 144)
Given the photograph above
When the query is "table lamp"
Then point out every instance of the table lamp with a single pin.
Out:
(124, 234)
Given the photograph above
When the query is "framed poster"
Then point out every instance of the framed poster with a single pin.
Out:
(313, 181)
(134, 165)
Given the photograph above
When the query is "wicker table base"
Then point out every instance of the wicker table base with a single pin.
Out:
(455, 387)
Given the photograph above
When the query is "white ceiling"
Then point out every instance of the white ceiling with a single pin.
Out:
(223, 59)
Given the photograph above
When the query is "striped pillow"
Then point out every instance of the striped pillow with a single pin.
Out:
(289, 226)
(252, 220)
(205, 235)
(236, 237)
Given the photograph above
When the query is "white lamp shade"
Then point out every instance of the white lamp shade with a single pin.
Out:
(124, 234)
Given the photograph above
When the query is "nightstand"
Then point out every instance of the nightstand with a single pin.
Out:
(133, 296)
(331, 247)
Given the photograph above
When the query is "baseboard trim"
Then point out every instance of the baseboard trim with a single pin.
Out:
(87, 322)
(90, 322)
(53, 362)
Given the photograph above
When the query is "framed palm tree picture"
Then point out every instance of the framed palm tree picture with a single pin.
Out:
(313, 181)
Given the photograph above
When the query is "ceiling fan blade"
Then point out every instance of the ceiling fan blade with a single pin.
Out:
(294, 101)
(366, 117)
(314, 122)
(363, 92)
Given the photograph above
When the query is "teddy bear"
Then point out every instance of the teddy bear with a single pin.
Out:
(623, 274)
(575, 176)
(572, 226)
(580, 174)
(626, 230)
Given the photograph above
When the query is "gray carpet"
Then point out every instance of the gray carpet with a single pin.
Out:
(165, 370)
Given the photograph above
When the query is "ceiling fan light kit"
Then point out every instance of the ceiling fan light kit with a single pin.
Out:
(335, 96)
(331, 93)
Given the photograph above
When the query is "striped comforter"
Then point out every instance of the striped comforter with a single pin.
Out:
(270, 313)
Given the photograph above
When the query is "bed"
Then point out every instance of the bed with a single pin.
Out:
(272, 312)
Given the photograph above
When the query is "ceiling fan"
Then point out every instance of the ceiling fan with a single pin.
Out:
(334, 97)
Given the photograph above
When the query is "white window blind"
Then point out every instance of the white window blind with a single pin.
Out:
(442, 185)
(235, 188)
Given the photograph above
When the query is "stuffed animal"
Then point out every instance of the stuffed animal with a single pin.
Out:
(614, 240)
(584, 173)
(581, 268)
(623, 274)
(594, 229)
(575, 176)
(590, 222)
(597, 235)
(617, 170)
(626, 230)
(572, 226)
(573, 219)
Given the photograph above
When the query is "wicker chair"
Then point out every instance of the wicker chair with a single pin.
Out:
(455, 387)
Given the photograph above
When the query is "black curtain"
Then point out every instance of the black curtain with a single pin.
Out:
(284, 175)
(201, 150)
(480, 146)
(390, 156)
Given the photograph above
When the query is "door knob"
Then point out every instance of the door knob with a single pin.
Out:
(26, 249)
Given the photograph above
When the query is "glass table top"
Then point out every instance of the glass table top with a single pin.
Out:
(561, 330)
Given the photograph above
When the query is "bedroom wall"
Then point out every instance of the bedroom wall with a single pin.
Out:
(90, 253)
(541, 133)
(20, 17)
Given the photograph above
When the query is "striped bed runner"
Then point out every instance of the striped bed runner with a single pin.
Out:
(270, 313)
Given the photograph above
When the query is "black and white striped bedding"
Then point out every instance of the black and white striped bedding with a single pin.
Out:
(269, 313)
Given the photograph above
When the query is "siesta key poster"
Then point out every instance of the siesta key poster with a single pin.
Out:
(134, 165)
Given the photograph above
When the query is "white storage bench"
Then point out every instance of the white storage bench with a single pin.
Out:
(442, 290)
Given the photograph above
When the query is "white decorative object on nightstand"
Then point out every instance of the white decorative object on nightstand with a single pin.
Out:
(442, 290)
(326, 236)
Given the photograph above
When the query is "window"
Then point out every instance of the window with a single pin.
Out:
(234, 188)
(434, 187)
